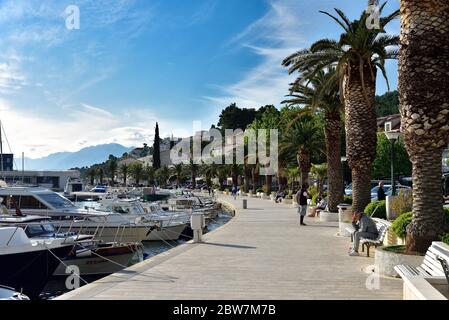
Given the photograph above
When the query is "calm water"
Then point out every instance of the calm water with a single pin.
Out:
(57, 287)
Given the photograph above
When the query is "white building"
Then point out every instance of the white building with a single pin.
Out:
(55, 180)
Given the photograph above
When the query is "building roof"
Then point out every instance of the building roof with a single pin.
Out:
(395, 120)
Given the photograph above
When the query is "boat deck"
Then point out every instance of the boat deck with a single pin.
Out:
(260, 254)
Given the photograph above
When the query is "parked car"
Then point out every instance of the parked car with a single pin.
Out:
(388, 190)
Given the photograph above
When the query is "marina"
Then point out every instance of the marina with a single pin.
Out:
(260, 254)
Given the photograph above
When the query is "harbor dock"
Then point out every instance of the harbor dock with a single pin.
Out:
(262, 253)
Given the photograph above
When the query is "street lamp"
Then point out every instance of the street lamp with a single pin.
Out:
(393, 136)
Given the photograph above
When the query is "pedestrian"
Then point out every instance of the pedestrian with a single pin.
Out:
(234, 192)
(381, 192)
(208, 189)
(365, 228)
(301, 198)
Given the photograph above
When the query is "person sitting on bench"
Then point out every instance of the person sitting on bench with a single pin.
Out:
(279, 196)
(365, 227)
(315, 211)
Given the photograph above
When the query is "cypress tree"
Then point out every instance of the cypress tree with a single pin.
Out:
(156, 149)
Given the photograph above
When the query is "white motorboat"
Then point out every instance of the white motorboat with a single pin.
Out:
(171, 224)
(90, 256)
(27, 264)
(106, 226)
(7, 293)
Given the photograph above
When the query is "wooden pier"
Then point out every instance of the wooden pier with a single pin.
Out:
(262, 253)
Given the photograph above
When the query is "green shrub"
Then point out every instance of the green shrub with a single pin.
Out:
(259, 190)
(445, 238)
(377, 209)
(347, 200)
(314, 200)
(399, 226)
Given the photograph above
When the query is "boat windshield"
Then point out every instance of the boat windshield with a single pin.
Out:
(56, 201)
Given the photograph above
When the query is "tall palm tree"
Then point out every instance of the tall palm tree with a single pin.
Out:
(149, 174)
(320, 173)
(357, 56)
(112, 167)
(301, 141)
(193, 168)
(210, 172)
(163, 175)
(424, 99)
(124, 168)
(293, 175)
(320, 94)
(223, 174)
(177, 171)
(136, 170)
(92, 173)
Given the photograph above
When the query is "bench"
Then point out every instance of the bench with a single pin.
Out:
(382, 229)
(436, 256)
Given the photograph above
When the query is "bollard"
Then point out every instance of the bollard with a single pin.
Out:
(197, 223)
(245, 204)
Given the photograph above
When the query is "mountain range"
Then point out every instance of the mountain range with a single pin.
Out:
(84, 157)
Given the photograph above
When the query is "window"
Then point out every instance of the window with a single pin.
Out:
(56, 201)
(26, 202)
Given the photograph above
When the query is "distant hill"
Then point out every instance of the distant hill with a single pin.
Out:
(84, 157)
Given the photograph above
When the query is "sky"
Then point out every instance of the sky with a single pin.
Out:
(134, 62)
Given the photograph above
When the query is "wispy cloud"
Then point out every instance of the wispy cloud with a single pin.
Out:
(272, 37)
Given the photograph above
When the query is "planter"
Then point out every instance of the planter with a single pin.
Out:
(418, 288)
(326, 216)
(344, 219)
(385, 261)
(287, 201)
(265, 197)
(391, 215)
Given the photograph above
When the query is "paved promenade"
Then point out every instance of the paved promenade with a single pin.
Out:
(262, 253)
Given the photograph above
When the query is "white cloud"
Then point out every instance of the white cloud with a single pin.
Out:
(273, 37)
(38, 136)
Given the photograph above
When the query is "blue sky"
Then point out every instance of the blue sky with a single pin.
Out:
(136, 62)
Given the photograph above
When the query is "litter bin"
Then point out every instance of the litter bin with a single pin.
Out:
(344, 218)
(245, 204)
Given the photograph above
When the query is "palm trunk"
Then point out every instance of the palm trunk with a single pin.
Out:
(428, 221)
(361, 130)
(424, 98)
(304, 165)
(268, 180)
(334, 170)
(255, 176)
(247, 175)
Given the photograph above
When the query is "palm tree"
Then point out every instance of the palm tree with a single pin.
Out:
(112, 168)
(193, 168)
(293, 175)
(302, 140)
(320, 94)
(177, 171)
(320, 173)
(357, 56)
(92, 173)
(255, 170)
(223, 174)
(136, 170)
(163, 174)
(149, 174)
(210, 172)
(424, 97)
(124, 168)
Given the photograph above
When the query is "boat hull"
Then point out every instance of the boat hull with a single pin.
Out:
(166, 233)
(115, 259)
(133, 234)
(29, 272)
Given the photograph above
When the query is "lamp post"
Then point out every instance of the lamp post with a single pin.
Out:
(392, 136)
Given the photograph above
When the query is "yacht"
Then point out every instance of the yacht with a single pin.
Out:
(73, 185)
(27, 264)
(92, 257)
(171, 224)
(106, 226)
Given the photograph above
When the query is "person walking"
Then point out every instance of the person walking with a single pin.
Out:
(301, 198)
(234, 192)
